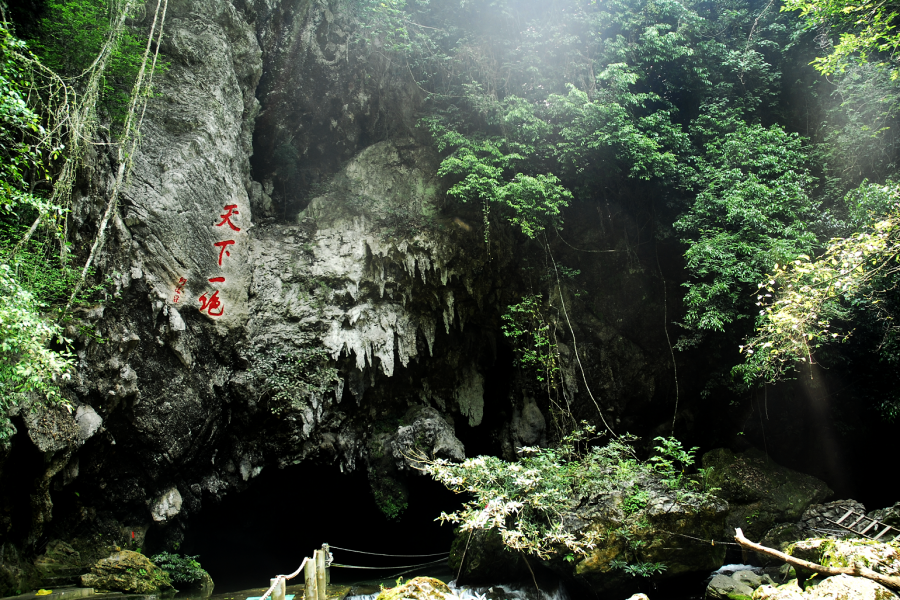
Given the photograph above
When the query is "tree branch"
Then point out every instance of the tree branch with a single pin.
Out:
(856, 570)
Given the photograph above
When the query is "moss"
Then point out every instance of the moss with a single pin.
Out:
(736, 596)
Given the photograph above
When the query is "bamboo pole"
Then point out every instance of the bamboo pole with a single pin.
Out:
(309, 576)
(320, 574)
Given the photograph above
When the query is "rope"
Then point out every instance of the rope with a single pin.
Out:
(690, 537)
(285, 577)
(400, 555)
(434, 562)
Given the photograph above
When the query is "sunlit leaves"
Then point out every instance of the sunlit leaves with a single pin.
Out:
(803, 303)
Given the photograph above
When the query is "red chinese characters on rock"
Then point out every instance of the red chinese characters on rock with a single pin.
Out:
(230, 209)
(223, 249)
(178, 289)
(211, 304)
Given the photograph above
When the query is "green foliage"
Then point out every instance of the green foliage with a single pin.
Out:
(524, 499)
(639, 569)
(672, 462)
(289, 377)
(70, 36)
(753, 209)
(528, 330)
(27, 364)
(181, 569)
(866, 30)
(636, 501)
(805, 302)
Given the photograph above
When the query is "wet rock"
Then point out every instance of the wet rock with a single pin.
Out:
(61, 564)
(737, 585)
(760, 492)
(723, 586)
(651, 535)
(128, 572)
(418, 588)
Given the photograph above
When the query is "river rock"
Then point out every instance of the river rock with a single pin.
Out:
(736, 586)
(128, 572)
(760, 492)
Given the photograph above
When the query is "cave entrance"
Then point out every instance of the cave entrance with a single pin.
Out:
(266, 530)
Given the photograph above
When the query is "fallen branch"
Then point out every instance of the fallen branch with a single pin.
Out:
(856, 570)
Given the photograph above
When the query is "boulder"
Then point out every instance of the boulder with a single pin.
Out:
(760, 492)
(728, 588)
(635, 539)
(879, 557)
(60, 565)
(817, 520)
(787, 591)
(128, 572)
(845, 587)
(419, 588)
(738, 585)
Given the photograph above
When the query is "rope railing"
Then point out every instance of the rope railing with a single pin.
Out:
(316, 571)
(434, 562)
(277, 581)
(397, 555)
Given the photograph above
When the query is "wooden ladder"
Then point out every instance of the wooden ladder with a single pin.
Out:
(861, 527)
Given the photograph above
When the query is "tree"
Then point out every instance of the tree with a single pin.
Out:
(753, 209)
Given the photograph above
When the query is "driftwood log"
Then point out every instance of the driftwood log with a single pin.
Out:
(856, 570)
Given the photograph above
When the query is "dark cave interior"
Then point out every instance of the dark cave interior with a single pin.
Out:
(285, 514)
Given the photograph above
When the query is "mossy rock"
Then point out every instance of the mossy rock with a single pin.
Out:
(419, 588)
(828, 552)
(128, 572)
(759, 491)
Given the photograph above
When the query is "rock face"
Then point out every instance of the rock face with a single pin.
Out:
(128, 572)
(760, 493)
(289, 280)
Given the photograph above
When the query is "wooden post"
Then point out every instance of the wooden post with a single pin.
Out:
(320, 574)
(327, 568)
(278, 592)
(309, 577)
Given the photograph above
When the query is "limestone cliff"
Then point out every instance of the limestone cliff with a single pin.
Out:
(289, 280)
